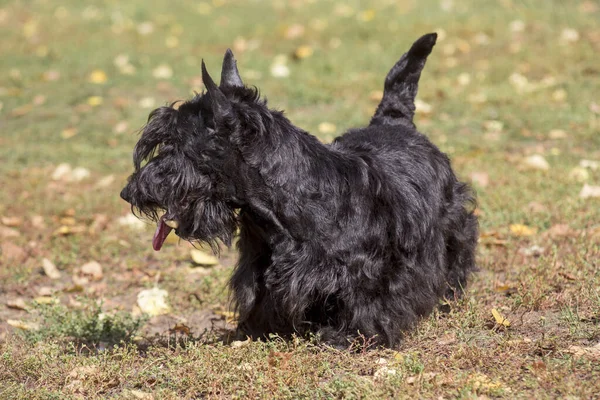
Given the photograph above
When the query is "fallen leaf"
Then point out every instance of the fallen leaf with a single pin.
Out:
(590, 164)
(559, 230)
(153, 301)
(236, 344)
(591, 352)
(79, 174)
(163, 72)
(294, 31)
(522, 230)
(536, 161)
(422, 107)
(6, 232)
(50, 269)
(10, 251)
(557, 134)
(92, 269)
(12, 221)
(138, 394)
(68, 133)
(385, 372)
(499, 318)
(327, 128)
(567, 276)
(280, 70)
(145, 28)
(16, 304)
(21, 111)
(568, 36)
(46, 300)
(95, 101)
(589, 191)
(105, 181)
(147, 102)
(61, 171)
(303, 52)
(480, 178)
(98, 76)
(534, 251)
(579, 174)
(26, 326)
(132, 222)
(201, 258)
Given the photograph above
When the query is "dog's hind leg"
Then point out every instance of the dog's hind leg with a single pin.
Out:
(397, 107)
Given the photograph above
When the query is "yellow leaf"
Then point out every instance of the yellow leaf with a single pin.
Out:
(68, 133)
(17, 323)
(303, 52)
(522, 230)
(45, 300)
(95, 101)
(500, 320)
(98, 76)
(201, 258)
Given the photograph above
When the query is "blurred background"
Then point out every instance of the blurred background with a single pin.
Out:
(510, 92)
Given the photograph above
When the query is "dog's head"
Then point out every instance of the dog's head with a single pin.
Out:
(184, 176)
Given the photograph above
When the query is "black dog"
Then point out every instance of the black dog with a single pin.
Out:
(362, 236)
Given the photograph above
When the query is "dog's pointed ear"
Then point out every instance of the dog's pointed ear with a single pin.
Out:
(221, 106)
(230, 77)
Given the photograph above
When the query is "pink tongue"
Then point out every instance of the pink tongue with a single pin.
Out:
(162, 231)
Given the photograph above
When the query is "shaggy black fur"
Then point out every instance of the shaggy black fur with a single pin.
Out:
(362, 236)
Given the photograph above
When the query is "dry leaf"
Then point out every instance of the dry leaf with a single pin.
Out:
(26, 326)
(534, 251)
(10, 251)
(591, 352)
(153, 301)
(50, 269)
(12, 221)
(202, 258)
(385, 372)
(132, 222)
(236, 344)
(422, 107)
(499, 318)
(6, 232)
(522, 230)
(95, 101)
(579, 174)
(98, 77)
(17, 304)
(303, 52)
(45, 300)
(480, 178)
(163, 72)
(590, 164)
(589, 191)
(294, 31)
(68, 133)
(536, 161)
(279, 69)
(327, 128)
(92, 269)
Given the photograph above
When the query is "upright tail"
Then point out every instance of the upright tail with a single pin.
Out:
(397, 106)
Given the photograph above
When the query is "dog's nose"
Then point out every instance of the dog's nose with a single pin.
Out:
(125, 194)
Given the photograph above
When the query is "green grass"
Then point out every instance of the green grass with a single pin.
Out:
(486, 47)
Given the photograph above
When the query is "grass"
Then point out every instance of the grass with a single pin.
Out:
(507, 80)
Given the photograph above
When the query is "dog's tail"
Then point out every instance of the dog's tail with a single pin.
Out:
(397, 106)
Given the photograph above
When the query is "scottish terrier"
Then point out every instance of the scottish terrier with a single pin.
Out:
(361, 237)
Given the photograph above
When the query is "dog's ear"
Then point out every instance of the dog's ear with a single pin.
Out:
(230, 77)
(221, 107)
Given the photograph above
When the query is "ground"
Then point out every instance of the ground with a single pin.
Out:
(510, 92)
